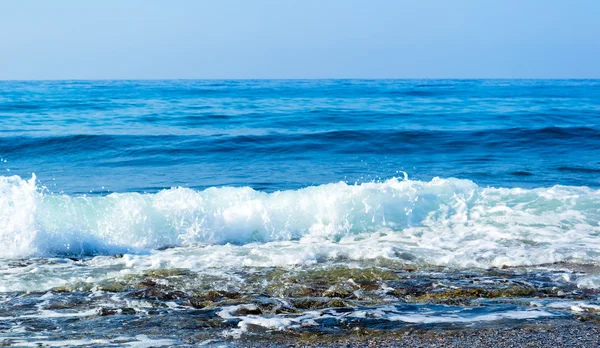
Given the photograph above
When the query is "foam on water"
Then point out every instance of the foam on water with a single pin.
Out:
(449, 222)
(407, 315)
(139, 341)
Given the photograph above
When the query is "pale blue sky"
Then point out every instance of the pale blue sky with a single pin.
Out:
(154, 39)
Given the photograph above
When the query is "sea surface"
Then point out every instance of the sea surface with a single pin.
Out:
(186, 212)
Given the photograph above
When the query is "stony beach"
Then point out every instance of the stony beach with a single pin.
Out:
(569, 333)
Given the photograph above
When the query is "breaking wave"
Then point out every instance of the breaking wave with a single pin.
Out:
(443, 221)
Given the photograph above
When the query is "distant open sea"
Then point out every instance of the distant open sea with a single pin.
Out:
(174, 212)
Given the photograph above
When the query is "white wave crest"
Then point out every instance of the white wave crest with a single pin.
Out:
(443, 221)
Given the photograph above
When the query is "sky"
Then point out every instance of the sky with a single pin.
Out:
(229, 39)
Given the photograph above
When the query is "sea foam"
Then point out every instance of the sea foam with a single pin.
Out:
(441, 222)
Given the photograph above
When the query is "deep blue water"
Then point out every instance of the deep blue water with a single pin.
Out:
(101, 136)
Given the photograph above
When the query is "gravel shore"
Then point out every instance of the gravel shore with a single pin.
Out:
(556, 334)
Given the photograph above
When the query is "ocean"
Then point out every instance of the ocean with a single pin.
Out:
(188, 212)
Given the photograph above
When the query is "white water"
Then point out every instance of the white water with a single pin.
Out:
(389, 313)
(447, 222)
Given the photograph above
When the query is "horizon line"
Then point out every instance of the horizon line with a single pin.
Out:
(303, 79)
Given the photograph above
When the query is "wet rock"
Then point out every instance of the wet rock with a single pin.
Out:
(147, 283)
(128, 311)
(406, 292)
(248, 311)
(67, 304)
(212, 297)
(460, 295)
(159, 293)
(114, 311)
(318, 303)
(343, 291)
(107, 311)
(167, 272)
(515, 291)
(198, 303)
(294, 291)
(114, 287)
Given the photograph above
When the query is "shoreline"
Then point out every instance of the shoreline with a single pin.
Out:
(537, 333)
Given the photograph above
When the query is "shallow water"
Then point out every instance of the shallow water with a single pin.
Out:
(166, 212)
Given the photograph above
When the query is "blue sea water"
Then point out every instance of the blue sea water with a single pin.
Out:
(245, 208)
(144, 136)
